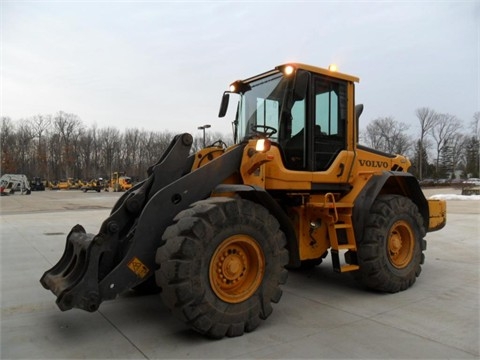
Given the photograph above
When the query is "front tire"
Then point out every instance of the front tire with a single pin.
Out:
(222, 265)
(390, 253)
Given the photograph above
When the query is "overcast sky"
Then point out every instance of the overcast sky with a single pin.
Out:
(163, 65)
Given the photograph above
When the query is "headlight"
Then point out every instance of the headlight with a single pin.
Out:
(263, 145)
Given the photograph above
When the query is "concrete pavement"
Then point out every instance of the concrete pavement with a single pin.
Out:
(321, 314)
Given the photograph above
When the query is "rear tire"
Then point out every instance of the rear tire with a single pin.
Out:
(222, 265)
(391, 250)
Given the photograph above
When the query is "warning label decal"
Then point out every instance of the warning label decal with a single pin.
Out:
(138, 267)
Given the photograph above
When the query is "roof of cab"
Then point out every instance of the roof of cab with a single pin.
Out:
(322, 71)
(310, 68)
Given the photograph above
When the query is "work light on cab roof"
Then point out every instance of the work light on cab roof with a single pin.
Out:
(332, 67)
(239, 87)
(288, 70)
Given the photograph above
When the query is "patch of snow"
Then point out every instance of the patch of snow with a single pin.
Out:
(454, 197)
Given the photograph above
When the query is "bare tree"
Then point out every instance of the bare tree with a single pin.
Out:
(40, 126)
(77, 159)
(86, 152)
(109, 139)
(456, 147)
(475, 126)
(428, 118)
(210, 139)
(68, 127)
(96, 156)
(372, 137)
(54, 157)
(7, 142)
(25, 151)
(131, 151)
(389, 135)
(445, 128)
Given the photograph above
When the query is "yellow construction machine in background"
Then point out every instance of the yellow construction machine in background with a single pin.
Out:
(119, 182)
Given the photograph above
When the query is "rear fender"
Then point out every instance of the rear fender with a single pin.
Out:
(389, 182)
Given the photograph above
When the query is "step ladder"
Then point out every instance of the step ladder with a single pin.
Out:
(339, 217)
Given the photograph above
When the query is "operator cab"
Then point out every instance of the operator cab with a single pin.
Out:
(301, 109)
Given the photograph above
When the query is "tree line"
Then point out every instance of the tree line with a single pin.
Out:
(442, 149)
(60, 146)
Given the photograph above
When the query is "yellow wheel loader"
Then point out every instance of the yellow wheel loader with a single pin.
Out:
(216, 231)
(120, 182)
(94, 185)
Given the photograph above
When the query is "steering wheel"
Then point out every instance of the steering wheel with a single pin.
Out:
(268, 131)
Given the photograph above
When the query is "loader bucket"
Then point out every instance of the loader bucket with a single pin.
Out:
(72, 270)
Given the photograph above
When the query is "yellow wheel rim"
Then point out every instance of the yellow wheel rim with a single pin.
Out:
(401, 244)
(237, 268)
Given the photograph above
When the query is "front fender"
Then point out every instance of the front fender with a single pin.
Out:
(262, 197)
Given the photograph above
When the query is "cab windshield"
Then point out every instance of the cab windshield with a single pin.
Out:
(260, 108)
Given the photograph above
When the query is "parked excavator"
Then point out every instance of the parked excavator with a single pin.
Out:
(217, 230)
(11, 183)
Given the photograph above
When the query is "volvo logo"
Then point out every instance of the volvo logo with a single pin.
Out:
(373, 163)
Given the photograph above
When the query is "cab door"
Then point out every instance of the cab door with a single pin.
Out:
(329, 131)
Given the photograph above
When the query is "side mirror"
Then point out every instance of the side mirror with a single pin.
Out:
(224, 104)
(358, 112)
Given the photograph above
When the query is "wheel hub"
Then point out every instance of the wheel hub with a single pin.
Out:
(395, 244)
(231, 265)
(237, 268)
(401, 244)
